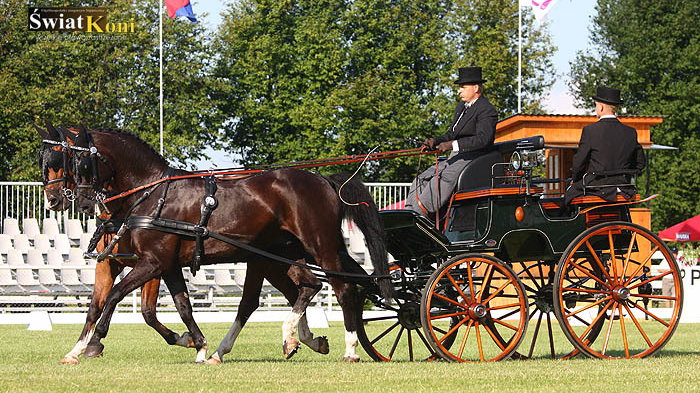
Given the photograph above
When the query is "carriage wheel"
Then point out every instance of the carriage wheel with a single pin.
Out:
(487, 301)
(392, 332)
(545, 338)
(605, 281)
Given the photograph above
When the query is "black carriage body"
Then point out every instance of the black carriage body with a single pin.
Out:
(482, 217)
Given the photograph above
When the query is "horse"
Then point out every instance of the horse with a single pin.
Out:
(55, 160)
(284, 209)
(56, 169)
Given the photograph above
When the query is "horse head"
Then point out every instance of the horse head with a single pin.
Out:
(54, 161)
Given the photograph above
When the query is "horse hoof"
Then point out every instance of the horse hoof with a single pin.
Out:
(214, 360)
(71, 360)
(185, 340)
(289, 349)
(351, 359)
(323, 346)
(94, 351)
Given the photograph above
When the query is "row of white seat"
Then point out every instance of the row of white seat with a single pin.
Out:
(30, 227)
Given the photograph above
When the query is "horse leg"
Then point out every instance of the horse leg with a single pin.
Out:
(277, 276)
(250, 301)
(178, 290)
(308, 286)
(138, 276)
(349, 301)
(149, 299)
(105, 273)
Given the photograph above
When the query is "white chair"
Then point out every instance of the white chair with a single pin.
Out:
(42, 242)
(50, 227)
(239, 272)
(91, 226)
(74, 228)
(15, 258)
(21, 242)
(200, 282)
(49, 280)
(85, 241)
(224, 281)
(75, 257)
(8, 284)
(87, 276)
(5, 243)
(35, 257)
(62, 244)
(70, 278)
(23, 272)
(30, 227)
(10, 226)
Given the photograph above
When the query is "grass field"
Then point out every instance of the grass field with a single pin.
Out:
(137, 360)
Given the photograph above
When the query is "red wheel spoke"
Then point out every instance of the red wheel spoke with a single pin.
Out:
(638, 325)
(597, 260)
(623, 331)
(666, 273)
(641, 265)
(494, 338)
(589, 274)
(630, 247)
(502, 306)
(487, 279)
(464, 339)
(447, 299)
(478, 342)
(454, 314)
(498, 321)
(453, 329)
(385, 332)
(595, 320)
(659, 297)
(470, 279)
(497, 291)
(661, 321)
(609, 330)
(584, 290)
(613, 261)
(456, 286)
(605, 299)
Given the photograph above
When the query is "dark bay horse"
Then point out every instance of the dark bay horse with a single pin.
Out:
(285, 210)
(55, 162)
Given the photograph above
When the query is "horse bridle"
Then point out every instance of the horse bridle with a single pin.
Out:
(100, 191)
(65, 150)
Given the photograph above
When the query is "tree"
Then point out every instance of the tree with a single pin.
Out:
(102, 81)
(309, 79)
(652, 52)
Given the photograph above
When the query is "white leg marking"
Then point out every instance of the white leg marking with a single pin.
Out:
(80, 346)
(350, 345)
(289, 327)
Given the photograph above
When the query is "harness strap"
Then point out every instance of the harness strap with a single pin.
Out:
(187, 229)
(209, 204)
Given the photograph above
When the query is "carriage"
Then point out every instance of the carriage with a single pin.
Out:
(507, 257)
(467, 288)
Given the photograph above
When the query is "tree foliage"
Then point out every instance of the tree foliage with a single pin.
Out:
(651, 50)
(108, 82)
(309, 79)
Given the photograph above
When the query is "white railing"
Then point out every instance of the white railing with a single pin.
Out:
(387, 194)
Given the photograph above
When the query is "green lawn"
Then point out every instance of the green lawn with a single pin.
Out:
(137, 360)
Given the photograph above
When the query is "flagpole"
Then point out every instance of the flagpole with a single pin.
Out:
(520, 56)
(160, 60)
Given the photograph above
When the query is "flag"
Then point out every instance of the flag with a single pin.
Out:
(540, 8)
(176, 8)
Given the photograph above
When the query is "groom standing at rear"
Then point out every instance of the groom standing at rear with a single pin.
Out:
(471, 134)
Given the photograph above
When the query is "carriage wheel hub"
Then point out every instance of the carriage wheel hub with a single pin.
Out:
(477, 311)
(621, 293)
(409, 315)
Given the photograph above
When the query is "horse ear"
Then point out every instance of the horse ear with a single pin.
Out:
(51, 132)
(43, 133)
(82, 139)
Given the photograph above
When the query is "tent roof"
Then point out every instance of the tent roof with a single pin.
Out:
(686, 231)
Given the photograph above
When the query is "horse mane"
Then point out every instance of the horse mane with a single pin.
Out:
(132, 135)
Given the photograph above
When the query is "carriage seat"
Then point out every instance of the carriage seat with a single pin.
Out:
(478, 173)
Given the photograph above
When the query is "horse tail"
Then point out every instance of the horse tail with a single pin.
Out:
(358, 205)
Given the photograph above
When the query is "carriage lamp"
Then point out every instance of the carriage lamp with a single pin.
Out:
(519, 214)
